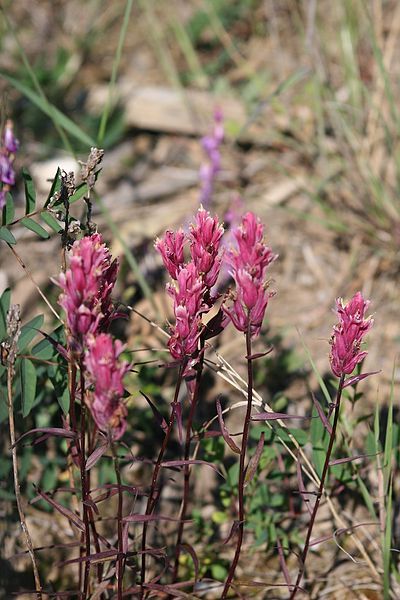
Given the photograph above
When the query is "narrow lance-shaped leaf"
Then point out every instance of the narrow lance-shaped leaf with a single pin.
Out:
(35, 227)
(57, 431)
(255, 459)
(302, 489)
(275, 416)
(29, 330)
(7, 236)
(4, 306)
(8, 210)
(28, 385)
(55, 187)
(322, 415)
(225, 433)
(357, 378)
(30, 193)
(157, 415)
(282, 561)
(50, 110)
(51, 221)
(347, 459)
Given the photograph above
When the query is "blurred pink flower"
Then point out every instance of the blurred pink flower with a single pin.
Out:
(171, 249)
(106, 373)
(205, 238)
(87, 285)
(249, 262)
(347, 335)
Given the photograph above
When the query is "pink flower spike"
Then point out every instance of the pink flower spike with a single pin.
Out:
(249, 264)
(171, 248)
(347, 335)
(86, 289)
(205, 240)
(106, 373)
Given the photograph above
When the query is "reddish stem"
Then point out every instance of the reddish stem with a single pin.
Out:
(187, 470)
(152, 499)
(320, 490)
(84, 482)
(120, 570)
(242, 470)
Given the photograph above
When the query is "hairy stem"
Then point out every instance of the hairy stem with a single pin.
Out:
(152, 499)
(120, 570)
(187, 470)
(304, 554)
(17, 488)
(242, 470)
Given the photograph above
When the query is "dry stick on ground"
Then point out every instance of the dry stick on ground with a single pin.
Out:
(13, 330)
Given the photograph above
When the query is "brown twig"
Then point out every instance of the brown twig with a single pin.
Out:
(17, 488)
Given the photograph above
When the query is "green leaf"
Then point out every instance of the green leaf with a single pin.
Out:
(59, 379)
(30, 192)
(35, 227)
(7, 236)
(55, 187)
(4, 306)
(28, 385)
(8, 210)
(29, 331)
(79, 192)
(50, 110)
(51, 221)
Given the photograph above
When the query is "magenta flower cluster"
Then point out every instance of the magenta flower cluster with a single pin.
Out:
(87, 286)
(106, 373)
(9, 146)
(86, 299)
(348, 334)
(210, 169)
(191, 292)
(249, 262)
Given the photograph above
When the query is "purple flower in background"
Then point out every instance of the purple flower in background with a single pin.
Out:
(249, 262)
(348, 333)
(87, 285)
(106, 373)
(209, 170)
(9, 145)
(10, 142)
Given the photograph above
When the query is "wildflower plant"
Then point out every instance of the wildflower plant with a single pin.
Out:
(88, 369)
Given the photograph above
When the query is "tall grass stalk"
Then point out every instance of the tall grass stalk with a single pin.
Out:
(117, 59)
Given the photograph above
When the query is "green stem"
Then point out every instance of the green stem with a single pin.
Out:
(320, 490)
